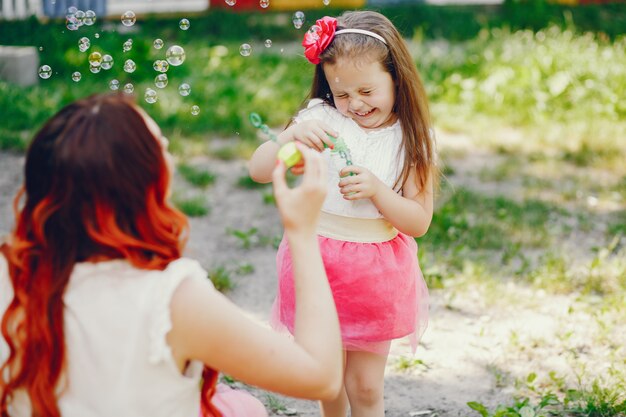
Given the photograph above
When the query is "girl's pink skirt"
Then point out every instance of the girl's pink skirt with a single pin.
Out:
(378, 288)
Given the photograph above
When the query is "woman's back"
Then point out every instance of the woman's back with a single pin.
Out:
(116, 318)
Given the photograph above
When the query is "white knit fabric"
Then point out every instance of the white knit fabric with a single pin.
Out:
(380, 151)
(119, 363)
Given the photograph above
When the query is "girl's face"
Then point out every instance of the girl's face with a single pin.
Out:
(363, 91)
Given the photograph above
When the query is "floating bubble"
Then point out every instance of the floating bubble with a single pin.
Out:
(128, 45)
(298, 19)
(72, 23)
(268, 43)
(256, 120)
(107, 62)
(114, 85)
(95, 58)
(158, 43)
(97, 35)
(161, 65)
(80, 17)
(175, 55)
(129, 18)
(231, 2)
(130, 66)
(326, 2)
(160, 80)
(195, 110)
(184, 89)
(71, 11)
(245, 49)
(183, 24)
(83, 44)
(41, 48)
(90, 17)
(264, 3)
(76, 76)
(129, 88)
(95, 68)
(150, 96)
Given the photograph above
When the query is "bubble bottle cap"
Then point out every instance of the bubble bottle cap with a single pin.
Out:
(289, 154)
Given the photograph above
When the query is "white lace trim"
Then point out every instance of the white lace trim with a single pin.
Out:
(174, 274)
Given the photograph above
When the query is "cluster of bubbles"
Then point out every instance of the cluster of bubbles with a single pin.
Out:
(174, 56)
(76, 18)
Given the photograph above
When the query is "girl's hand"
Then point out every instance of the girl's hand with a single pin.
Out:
(361, 184)
(313, 133)
(300, 207)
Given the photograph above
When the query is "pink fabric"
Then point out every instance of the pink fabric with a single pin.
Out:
(236, 403)
(378, 288)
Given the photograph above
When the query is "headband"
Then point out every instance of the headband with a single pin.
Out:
(321, 34)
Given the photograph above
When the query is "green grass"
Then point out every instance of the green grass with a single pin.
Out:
(193, 207)
(196, 176)
(220, 277)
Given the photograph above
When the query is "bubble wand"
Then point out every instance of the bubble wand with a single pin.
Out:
(290, 155)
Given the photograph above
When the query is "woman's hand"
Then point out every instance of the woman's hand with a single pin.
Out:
(361, 184)
(300, 207)
(312, 133)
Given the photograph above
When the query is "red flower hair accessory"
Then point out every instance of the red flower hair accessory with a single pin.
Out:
(317, 39)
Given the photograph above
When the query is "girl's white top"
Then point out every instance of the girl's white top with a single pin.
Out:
(116, 318)
(380, 151)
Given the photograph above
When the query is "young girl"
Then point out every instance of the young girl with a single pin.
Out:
(101, 314)
(366, 95)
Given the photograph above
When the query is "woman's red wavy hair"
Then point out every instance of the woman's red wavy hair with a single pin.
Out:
(96, 185)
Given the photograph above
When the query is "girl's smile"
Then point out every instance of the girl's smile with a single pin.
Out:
(363, 91)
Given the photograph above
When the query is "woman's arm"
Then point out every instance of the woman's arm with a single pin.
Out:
(410, 213)
(208, 327)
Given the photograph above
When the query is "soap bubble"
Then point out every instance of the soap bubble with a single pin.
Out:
(268, 43)
(184, 89)
(80, 17)
(128, 45)
(72, 23)
(158, 43)
(175, 55)
(195, 110)
(150, 96)
(264, 3)
(90, 17)
(184, 24)
(231, 2)
(95, 68)
(107, 62)
(114, 85)
(71, 11)
(161, 80)
(161, 65)
(326, 2)
(298, 19)
(130, 66)
(129, 88)
(129, 18)
(95, 58)
(76, 76)
(245, 49)
(83, 44)
(97, 35)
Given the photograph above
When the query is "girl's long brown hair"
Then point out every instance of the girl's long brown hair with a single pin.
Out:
(411, 105)
(96, 184)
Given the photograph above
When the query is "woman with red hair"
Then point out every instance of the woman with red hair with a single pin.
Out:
(101, 313)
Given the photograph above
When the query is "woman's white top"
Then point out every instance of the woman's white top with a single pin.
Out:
(116, 319)
(380, 151)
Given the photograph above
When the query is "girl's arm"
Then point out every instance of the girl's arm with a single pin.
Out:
(313, 133)
(208, 327)
(410, 213)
